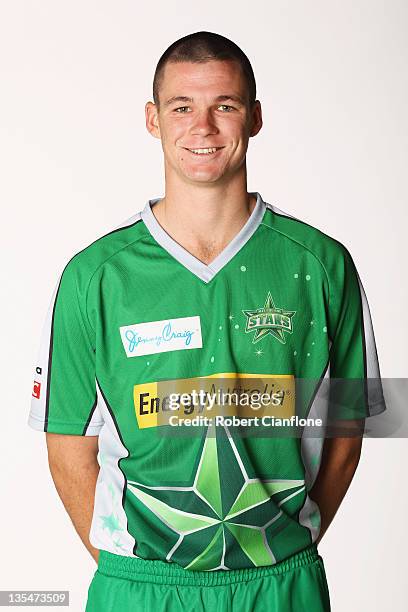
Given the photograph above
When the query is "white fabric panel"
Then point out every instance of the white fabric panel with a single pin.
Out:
(373, 370)
(36, 418)
(311, 452)
(376, 402)
(109, 522)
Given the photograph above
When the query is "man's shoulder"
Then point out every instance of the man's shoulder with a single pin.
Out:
(85, 262)
(305, 236)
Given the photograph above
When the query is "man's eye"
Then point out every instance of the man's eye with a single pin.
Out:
(183, 109)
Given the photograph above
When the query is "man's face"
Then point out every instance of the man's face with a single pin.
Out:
(203, 106)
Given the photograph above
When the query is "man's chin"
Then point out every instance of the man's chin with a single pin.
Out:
(203, 179)
(202, 176)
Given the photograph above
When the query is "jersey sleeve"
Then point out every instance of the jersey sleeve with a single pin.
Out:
(64, 398)
(355, 384)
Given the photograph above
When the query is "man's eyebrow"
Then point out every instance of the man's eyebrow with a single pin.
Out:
(221, 98)
(232, 97)
(177, 99)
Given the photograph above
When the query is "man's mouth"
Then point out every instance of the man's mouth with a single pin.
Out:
(208, 151)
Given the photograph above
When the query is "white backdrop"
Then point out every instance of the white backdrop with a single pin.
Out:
(76, 160)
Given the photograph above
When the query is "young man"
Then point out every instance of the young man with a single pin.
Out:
(209, 283)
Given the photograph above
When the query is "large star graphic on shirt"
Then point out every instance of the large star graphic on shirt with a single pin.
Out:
(269, 320)
(221, 519)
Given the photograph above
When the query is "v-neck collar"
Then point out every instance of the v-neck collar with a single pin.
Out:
(204, 271)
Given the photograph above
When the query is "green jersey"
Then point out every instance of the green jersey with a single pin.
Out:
(134, 312)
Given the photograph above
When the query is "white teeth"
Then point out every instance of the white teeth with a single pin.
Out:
(203, 151)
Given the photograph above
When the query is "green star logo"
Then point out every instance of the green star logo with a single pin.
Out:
(223, 510)
(269, 320)
(111, 523)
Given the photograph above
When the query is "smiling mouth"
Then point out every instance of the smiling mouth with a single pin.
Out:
(207, 151)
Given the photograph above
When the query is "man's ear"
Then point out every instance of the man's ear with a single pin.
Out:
(152, 119)
(256, 118)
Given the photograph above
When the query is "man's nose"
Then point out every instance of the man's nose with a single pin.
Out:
(204, 123)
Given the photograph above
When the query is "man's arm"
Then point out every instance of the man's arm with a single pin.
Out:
(74, 469)
(340, 457)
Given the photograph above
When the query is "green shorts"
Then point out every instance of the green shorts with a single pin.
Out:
(124, 584)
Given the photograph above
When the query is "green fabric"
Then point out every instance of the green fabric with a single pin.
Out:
(294, 585)
(132, 320)
(126, 278)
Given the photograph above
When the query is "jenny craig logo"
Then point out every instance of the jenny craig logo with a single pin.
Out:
(161, 336)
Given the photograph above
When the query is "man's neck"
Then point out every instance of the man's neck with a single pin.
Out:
(204, 221)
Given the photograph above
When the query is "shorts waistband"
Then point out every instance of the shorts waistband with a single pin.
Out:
(148, 570)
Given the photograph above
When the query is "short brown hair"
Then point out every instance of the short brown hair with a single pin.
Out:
(202, 47)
